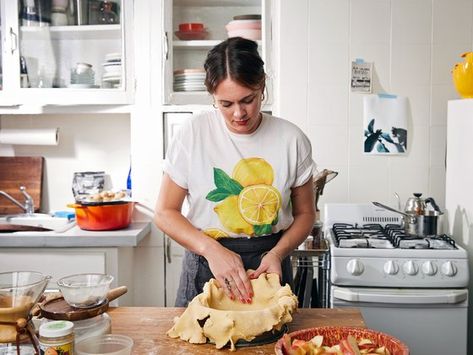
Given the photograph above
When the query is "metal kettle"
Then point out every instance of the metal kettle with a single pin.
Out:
(419, 220)
(415, 205)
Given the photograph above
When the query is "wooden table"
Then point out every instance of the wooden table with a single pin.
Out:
(148, 325)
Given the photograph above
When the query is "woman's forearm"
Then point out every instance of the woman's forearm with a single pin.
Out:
(178, 227)
(295, 234)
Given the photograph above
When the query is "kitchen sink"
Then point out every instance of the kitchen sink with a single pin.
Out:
(35, 222)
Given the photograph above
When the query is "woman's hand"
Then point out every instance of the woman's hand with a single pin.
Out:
(228, 269)
(270, 263)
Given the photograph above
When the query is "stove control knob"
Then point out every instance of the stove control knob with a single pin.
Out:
(429, 268)
(355, 267)
(391, 268)
(449, 269)
(410, 268)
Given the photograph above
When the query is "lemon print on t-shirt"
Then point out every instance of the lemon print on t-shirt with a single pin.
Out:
(247, 202)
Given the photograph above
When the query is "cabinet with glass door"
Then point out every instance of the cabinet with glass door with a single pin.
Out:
(66, 52)
(193, 27)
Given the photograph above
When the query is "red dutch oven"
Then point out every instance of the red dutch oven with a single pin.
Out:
(103, 216)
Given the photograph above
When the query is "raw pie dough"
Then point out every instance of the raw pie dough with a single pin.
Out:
(224, 320)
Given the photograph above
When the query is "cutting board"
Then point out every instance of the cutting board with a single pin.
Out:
(16, 172)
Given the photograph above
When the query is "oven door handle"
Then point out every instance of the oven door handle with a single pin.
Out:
(403, 297)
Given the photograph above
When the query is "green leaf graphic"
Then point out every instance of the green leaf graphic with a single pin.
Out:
(226, 183)
(263, 229)
(275, 221)
(217, 195)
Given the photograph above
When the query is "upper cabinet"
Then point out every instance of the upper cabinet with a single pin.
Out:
(184, 53)
(66, 52)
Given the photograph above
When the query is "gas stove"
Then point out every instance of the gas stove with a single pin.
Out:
(369, 247)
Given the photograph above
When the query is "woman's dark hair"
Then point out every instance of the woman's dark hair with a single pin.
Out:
(238, 59)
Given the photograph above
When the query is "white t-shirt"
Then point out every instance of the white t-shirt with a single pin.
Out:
(239, 184)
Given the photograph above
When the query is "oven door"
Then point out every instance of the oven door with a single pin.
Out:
(429, 321)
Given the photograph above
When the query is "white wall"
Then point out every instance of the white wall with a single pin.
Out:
(413, 45)
(86, 143)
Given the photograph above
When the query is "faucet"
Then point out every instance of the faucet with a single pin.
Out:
(29, 204)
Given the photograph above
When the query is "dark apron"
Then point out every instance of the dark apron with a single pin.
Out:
(196, 272)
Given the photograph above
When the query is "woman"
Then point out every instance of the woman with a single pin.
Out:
(247, 177)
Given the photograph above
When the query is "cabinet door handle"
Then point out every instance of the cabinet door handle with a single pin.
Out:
(167, 241)
(166, 46)
(13, 40)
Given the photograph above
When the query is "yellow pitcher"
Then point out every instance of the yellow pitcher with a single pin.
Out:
(463, 76)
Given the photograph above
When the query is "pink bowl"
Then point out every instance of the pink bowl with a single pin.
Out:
(243, 25)
(333, 336)
(254, 35)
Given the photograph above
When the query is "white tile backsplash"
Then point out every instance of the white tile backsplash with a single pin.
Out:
(438, 145)
(452, 21)
(370, 21)
(440, 96)
(411, 21)
(329, 145)
(444, 57)
(329, 17)
(410, 64)
(331, 66)
(413, 45)
(328, 104)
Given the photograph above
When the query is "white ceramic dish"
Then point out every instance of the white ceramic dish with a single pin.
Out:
(113, 57)
(83, 86)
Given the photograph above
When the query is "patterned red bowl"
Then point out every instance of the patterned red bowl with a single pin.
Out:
(333, 336)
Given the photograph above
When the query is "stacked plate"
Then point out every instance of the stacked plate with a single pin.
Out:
(246, 26)
(189, 80)
(112, 71)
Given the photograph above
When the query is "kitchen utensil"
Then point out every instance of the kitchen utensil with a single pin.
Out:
(85, 290)
(415, 205)
(332, 335)
(431, 217)
(102, 216)
(413, 224)
(20, 171)
(320, 180)
(19, 292)
(462, 74)
(110, 344)
(59, 309)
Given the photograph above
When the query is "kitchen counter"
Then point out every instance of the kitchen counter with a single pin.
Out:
(148, 325)
(76, 237)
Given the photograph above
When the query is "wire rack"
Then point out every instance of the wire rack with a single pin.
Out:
(312, 292)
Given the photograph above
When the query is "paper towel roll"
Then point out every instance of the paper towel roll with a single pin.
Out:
(48, 136)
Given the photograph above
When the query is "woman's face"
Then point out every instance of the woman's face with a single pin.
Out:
(240, 106)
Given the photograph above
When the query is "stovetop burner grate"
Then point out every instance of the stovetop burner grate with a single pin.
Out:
(390, 236)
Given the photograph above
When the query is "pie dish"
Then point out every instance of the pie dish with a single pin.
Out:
(213, 317)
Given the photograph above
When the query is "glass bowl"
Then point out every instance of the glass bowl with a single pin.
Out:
(110, 344)
(19, 292)
(85, 290)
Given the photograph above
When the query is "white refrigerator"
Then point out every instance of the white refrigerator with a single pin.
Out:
(459, 185)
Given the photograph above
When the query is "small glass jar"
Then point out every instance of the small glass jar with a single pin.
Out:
(58, 336)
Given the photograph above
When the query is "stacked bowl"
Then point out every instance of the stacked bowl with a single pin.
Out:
(191, 31)
(189, 80)
(112, 71)
(246, 26)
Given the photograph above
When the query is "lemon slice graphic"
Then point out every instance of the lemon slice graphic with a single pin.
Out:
(215, 233)
(253, 171)
(259, 204)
